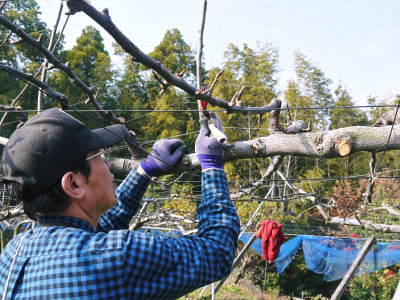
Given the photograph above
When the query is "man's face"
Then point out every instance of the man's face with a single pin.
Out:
(101, 188)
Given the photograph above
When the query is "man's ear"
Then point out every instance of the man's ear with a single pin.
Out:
(73, 185)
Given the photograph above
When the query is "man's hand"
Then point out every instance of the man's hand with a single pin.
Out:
(165, 156)
(209, 151)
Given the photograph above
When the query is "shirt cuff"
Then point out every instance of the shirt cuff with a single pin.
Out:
(141, 172)
(209, 169)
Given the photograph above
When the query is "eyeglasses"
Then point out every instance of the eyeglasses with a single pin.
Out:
(103, 153)
(106, 153)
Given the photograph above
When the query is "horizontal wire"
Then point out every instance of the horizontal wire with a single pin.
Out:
(212, 110)
(298, 179)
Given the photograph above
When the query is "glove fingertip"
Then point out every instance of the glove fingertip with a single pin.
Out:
(174, 144)
(179, 152)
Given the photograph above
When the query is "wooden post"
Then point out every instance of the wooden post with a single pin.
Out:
(356, 263)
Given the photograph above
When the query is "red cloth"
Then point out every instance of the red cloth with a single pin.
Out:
(272, 237)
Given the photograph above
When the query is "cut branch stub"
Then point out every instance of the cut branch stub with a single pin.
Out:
(274, 125)
(388, 118)
(343, 147)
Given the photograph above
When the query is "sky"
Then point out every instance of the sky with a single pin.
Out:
(354, 42)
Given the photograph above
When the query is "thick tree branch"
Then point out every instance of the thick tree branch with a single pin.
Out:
(60, 65)
(321, 144)
(139, 56)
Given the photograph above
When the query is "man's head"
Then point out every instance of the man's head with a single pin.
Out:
(49, 146)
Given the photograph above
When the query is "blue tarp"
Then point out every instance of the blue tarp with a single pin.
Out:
(331, 256)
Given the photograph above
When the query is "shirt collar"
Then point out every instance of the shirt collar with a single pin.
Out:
(67, 222)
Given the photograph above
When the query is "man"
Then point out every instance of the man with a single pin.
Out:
(81, 247)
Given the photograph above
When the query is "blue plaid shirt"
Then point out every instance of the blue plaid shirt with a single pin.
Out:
(65, 258)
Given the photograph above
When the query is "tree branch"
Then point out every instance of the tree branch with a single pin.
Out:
(274, 164)
(321, 144)
(44, 86)
(60, 65)
(371, 181)
(2, 5)
(340, 220)
(60, 34)
(105, 22)
(202, 114)
(391, 210)
(364, 224)
(6, 39)
(211, 89)
(45, 63)
(14, 101)
(11, 213)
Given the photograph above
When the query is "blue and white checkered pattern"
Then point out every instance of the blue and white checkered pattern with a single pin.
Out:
(65, 258)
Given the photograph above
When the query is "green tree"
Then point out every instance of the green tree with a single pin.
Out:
(176, 55)
(22, 56)
(132, 92)
(92, 63)
(256, 70)
(345, 117)
(295, 99)
(315, 85)
(356, 163)
(25, 14)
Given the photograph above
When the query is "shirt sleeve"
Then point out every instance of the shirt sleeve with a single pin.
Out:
(169, 267)
(129, 194)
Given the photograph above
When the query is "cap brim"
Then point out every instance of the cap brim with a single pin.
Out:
(108, 136)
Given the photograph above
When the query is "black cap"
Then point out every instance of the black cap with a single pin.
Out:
(49, 145)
